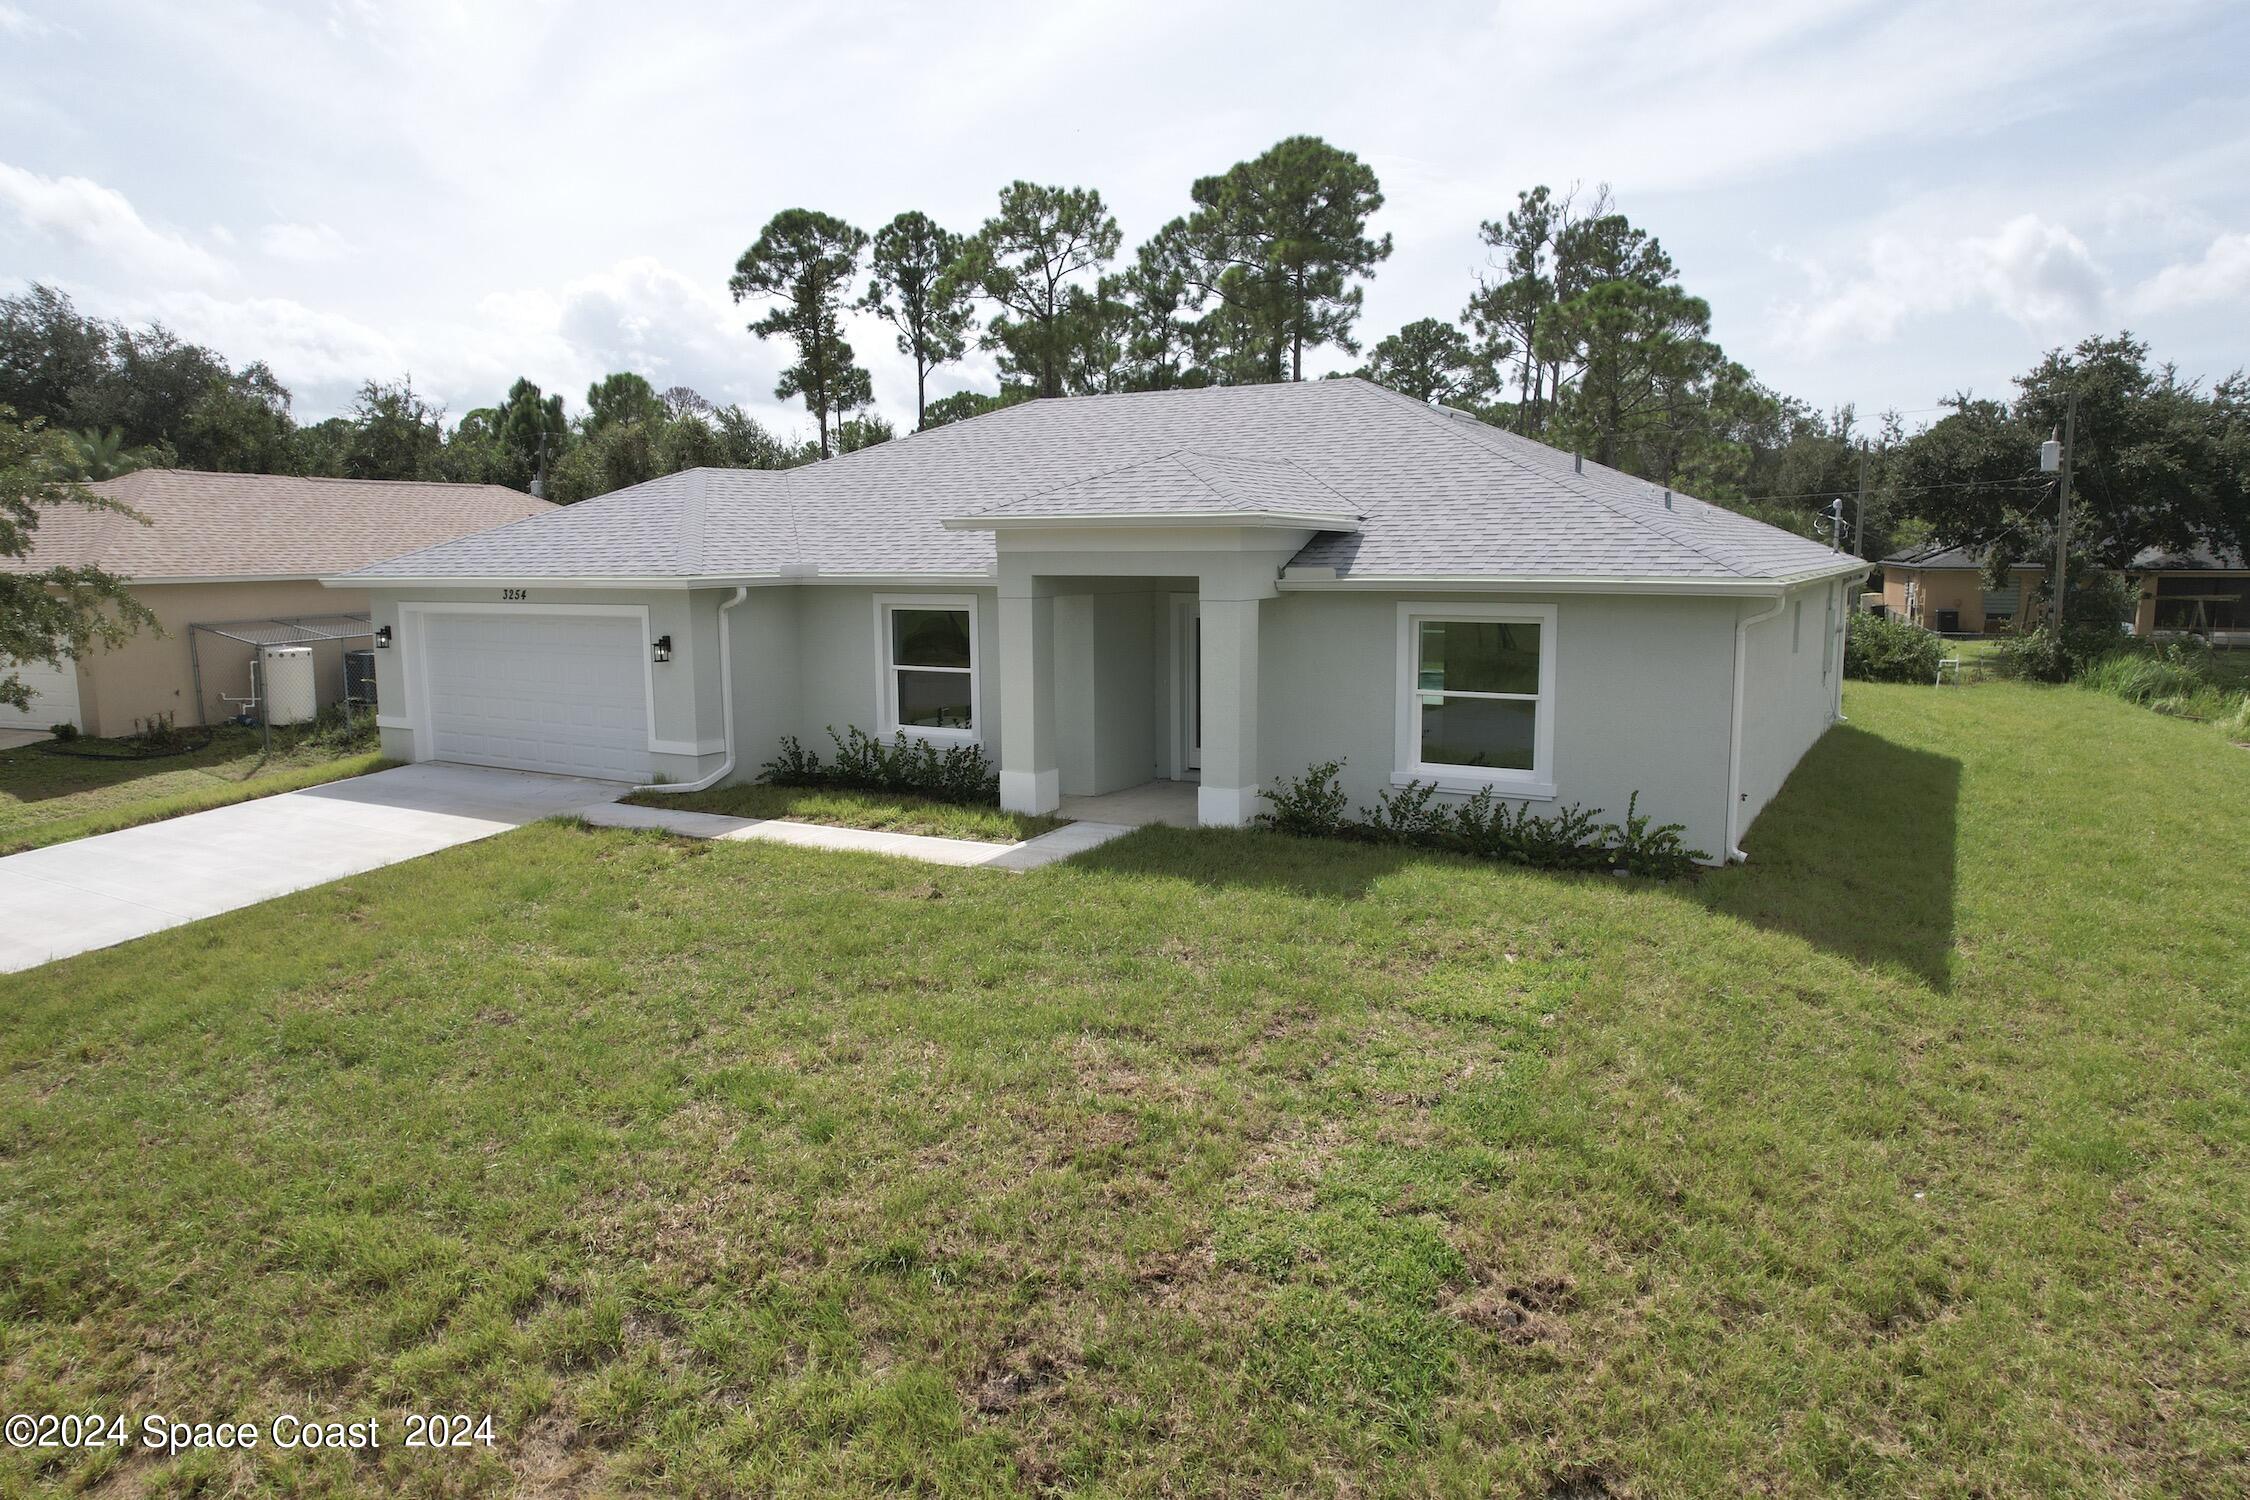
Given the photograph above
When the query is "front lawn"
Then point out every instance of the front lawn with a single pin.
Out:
(847, 809)
(1913, 1158)
(48, 798)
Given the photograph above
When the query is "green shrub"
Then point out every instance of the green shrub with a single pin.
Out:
(1878, 648)
(2146, 677)
(1406, 815)
(2043, 655)
(900, 766)
(65, 731)
(1309, 806)
(1483, 826)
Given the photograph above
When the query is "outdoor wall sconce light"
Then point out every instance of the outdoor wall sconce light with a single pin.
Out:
(663, 648)
(382, 637)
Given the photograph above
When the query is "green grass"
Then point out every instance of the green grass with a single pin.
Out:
(847, 809)
(47, 798)
(1913, 1158)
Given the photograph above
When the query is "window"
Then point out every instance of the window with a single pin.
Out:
(1476, 697)
(929, 665)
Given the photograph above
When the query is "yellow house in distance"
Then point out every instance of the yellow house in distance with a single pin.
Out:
(1945, 589)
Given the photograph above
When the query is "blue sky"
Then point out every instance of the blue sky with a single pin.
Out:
(1883, 202)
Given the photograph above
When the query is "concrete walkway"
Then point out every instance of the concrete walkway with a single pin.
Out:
(90, 893)
(1062, 843)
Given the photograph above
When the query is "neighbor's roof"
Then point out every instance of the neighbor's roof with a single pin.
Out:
(2194, 560)
(1404, 491)
(261, 525)
(1950, 557)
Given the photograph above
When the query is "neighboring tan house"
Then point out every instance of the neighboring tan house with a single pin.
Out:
(1213, 588)
(222, 549)
(2203, 592)
(1945, 589)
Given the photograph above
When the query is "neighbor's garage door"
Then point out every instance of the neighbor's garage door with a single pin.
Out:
(560, 693)
(54, 695)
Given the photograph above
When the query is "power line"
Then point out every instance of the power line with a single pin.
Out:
(1912, 489)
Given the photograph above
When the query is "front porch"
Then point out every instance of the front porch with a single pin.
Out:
(1132, 697)
(1172, 803)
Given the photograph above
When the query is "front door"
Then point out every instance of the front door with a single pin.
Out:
(1187, 680)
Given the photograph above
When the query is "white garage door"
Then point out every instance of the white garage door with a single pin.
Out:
(54, 696)
(560, 693)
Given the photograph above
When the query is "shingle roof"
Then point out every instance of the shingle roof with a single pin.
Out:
(1950, 557)
(1186, 483)
(2194, 560)
(261, 525)
(1438, 493)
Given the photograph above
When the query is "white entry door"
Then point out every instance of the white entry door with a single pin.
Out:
(564, 693)
(54, 696)
(1187, 679)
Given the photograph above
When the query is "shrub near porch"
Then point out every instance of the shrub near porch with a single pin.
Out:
(1910, 1158)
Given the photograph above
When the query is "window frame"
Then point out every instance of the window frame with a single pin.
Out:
(887, 670)
(1534, 785)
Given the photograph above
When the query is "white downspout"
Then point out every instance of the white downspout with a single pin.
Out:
(1734, 744)
(726, 707)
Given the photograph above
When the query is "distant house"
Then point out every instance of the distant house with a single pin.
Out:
(1945, 589)
(2200, 592)
(236, 550)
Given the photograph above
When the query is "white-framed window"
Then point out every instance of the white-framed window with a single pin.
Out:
(927, 645)
(1476, 697)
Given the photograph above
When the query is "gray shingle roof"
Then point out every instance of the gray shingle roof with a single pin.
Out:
(203, 525)
(1186, 483)
(1439, 493)
(2194, 560)
(1950, 557)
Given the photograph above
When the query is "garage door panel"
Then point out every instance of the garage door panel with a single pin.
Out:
(562, 693)
(54, 695)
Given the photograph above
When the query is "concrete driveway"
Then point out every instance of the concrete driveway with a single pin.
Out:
(90, 893)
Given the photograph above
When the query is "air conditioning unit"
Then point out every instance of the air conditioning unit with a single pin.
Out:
(288, 673)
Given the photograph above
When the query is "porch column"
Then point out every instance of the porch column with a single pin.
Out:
(1228, 797)
(1029, 779)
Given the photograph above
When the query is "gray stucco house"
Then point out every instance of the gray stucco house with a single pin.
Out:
(1221, 586)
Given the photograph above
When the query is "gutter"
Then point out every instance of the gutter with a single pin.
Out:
(1742, 626)
(726, 706)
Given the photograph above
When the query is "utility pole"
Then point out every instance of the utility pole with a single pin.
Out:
(2062, 508)
(1859, 523)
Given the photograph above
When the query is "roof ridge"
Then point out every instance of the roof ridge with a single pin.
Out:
(1132, 463)
(436, 484)
(1574, 482)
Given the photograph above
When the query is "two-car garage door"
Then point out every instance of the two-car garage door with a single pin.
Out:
(565, 693)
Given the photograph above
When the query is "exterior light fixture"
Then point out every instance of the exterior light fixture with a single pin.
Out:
(663, 648)
(382, 637)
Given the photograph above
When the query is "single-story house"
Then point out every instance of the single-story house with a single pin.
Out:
(1218, 587)
(1945, 589)
(229, 549)
(2202, 592)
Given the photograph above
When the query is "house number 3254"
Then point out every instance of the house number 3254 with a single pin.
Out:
(515, 596)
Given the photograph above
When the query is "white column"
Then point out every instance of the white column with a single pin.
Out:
(1228, 797)
(1029, 780)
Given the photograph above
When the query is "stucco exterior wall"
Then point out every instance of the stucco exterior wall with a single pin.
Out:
(1642, 699)
(1789, 684)
(151, 673)
(1643, 696)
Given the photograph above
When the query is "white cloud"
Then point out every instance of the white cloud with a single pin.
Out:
(301, 242)
(82, 215)
(2034, 272)
(2222, 275)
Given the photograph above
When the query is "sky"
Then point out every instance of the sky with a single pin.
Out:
(1885, 203)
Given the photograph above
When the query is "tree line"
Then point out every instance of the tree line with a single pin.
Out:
(1578, 331)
